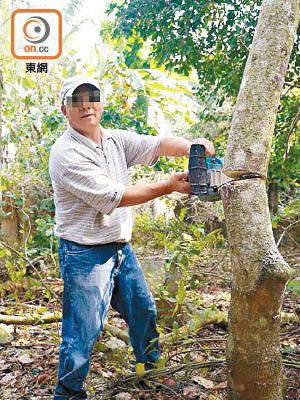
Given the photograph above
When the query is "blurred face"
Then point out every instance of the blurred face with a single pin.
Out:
(83, 110)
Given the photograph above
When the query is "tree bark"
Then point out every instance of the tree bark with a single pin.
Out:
(259, 273)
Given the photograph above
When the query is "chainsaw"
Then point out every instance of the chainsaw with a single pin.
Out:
(205, 174)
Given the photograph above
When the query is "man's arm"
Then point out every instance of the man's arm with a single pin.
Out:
(179, 147)
(173, 147)
(142, 192)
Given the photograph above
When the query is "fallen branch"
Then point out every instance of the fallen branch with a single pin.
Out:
(115, 331)
(158, 373)
(133, 378)
(288, 363)
(51, 318)
(204, 318)
(29, 319)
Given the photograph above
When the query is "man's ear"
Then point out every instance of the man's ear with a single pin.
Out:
(63, 110)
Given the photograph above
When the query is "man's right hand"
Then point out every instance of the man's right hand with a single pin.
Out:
(142, 192)
(177, 182)
(209, 146)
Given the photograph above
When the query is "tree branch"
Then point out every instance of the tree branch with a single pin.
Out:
(283, 233)
(293, 126)
(291, 85)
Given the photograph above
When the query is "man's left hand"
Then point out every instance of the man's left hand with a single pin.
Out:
(209, 146)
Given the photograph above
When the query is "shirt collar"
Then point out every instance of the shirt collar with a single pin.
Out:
(87, 141)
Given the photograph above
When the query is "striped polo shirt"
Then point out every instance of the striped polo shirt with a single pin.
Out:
(89, 181)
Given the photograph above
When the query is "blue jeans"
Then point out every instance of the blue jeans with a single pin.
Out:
(95, 277)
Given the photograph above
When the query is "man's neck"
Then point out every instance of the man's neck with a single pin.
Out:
(95, 135)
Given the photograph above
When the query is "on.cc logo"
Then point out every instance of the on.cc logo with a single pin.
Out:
(36, 29)
(36, 34)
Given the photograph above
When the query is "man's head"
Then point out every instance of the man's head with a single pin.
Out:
(80, 97)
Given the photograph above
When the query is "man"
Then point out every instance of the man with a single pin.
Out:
(88, 168)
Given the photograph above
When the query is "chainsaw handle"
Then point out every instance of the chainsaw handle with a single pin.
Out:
(197, 170)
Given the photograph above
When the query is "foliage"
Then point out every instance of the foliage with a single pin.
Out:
(185, 248)
(292, 209)
(206, 36)
(285, 166)
(288, 210)
(213, 39)
(167, 101)
(134, 119)
(294, 286)
(175, 236)
(147, 100)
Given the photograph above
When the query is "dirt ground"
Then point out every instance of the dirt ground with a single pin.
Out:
(28, 364)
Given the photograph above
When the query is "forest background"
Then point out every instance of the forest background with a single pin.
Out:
(182, 81)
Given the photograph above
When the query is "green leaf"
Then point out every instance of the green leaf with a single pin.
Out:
(35, 371)
(181, 294)
(187, 237)
(294, 286)
(182, 214)
(287, 350)
(161, 363)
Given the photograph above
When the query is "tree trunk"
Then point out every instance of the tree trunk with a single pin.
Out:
(259, 273)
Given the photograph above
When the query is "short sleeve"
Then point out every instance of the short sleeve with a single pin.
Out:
(140, 149)
(86, 181)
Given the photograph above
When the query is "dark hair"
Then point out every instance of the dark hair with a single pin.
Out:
(86, 86)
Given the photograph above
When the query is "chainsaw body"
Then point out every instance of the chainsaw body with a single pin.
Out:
(205, 174)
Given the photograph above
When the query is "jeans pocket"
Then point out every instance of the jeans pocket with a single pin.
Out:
(75, 248)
